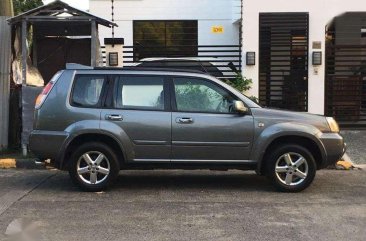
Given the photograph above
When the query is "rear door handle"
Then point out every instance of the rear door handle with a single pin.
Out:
(184, 120)
(114, 117)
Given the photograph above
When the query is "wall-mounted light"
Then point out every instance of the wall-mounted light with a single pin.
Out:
(317, 58)
(113, 58)
(114, 51)
(250, 58)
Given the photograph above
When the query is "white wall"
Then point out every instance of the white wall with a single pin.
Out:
(208, 13)
(320, 14)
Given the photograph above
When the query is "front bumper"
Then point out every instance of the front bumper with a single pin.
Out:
(47, 144)
(334, 146)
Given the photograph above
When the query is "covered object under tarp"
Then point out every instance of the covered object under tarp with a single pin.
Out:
(44, 39)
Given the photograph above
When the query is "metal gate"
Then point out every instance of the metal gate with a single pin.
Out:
(345, 69)
(283, 60)
(345, 89)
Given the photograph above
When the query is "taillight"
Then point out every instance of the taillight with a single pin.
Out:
(41, 97)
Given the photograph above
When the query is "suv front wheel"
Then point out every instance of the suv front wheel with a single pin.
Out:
(291, 168)
(94, 166)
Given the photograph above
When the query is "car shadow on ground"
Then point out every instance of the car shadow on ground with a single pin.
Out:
(186, 180)
(174, 181)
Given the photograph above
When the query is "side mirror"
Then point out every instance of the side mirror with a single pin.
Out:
(240, 107)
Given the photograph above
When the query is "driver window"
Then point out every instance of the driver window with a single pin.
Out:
(196, 95)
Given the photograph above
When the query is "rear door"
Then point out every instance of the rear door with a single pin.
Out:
(141, 109)
(204, 126)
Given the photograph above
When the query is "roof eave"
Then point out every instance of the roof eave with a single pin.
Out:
(19, 18)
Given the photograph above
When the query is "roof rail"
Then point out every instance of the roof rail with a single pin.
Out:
(73, 66)
(77, 66)
(137, 68)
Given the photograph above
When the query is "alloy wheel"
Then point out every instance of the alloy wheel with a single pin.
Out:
(93, 167)
(291, 169)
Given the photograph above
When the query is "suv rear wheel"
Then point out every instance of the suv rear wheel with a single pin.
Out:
(291, 168)
(94, 166)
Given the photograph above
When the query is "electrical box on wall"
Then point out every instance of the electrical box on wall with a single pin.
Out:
(114, 51)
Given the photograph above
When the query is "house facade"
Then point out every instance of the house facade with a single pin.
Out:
(308, 55)
(285, 35)
(166, 28)
(196, 17)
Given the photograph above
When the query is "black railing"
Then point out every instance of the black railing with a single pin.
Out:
(345, 89)
(222, 61)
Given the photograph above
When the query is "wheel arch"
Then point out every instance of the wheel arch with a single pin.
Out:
(77, 140)
(289, 133)
(315, 147)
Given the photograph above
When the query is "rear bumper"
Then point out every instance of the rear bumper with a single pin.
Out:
(334, 146)
(47, 144)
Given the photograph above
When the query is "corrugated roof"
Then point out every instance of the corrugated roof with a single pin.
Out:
(49, 10)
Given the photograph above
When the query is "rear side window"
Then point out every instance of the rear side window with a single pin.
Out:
(87, 90)
(140, 93)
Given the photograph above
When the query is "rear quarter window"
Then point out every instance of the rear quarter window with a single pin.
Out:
(87, 90)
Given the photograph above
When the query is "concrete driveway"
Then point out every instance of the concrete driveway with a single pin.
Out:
(186, 205)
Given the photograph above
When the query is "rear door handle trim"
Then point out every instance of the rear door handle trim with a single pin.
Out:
(184, 120)
(113, 117)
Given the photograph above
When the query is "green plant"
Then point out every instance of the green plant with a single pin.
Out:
(242, 84)
(254, 99)
(21, 6)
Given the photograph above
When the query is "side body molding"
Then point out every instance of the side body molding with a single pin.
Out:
(268, 135)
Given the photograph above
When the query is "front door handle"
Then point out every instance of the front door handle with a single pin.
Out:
(184, 120)
(113, 117)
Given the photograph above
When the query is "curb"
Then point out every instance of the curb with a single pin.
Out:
(29, 163)
(345, 163)
(361, 167)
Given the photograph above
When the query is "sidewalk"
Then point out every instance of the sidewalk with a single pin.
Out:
(16, 160)
(356, 145)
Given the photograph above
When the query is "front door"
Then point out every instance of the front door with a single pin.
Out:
(140, 110)
(204, 127)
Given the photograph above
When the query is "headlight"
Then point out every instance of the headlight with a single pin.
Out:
(333, 125)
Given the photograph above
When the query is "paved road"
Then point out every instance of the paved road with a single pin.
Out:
(185, 205)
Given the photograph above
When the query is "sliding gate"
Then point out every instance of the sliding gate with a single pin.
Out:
(283, 60)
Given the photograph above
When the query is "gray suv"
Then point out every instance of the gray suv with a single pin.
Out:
(95, 122)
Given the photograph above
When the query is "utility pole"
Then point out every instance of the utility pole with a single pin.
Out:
(6, 8)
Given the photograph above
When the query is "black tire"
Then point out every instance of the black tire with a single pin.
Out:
(279, 178)
(109, 162)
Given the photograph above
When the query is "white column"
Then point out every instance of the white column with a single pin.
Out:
(316, 80)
